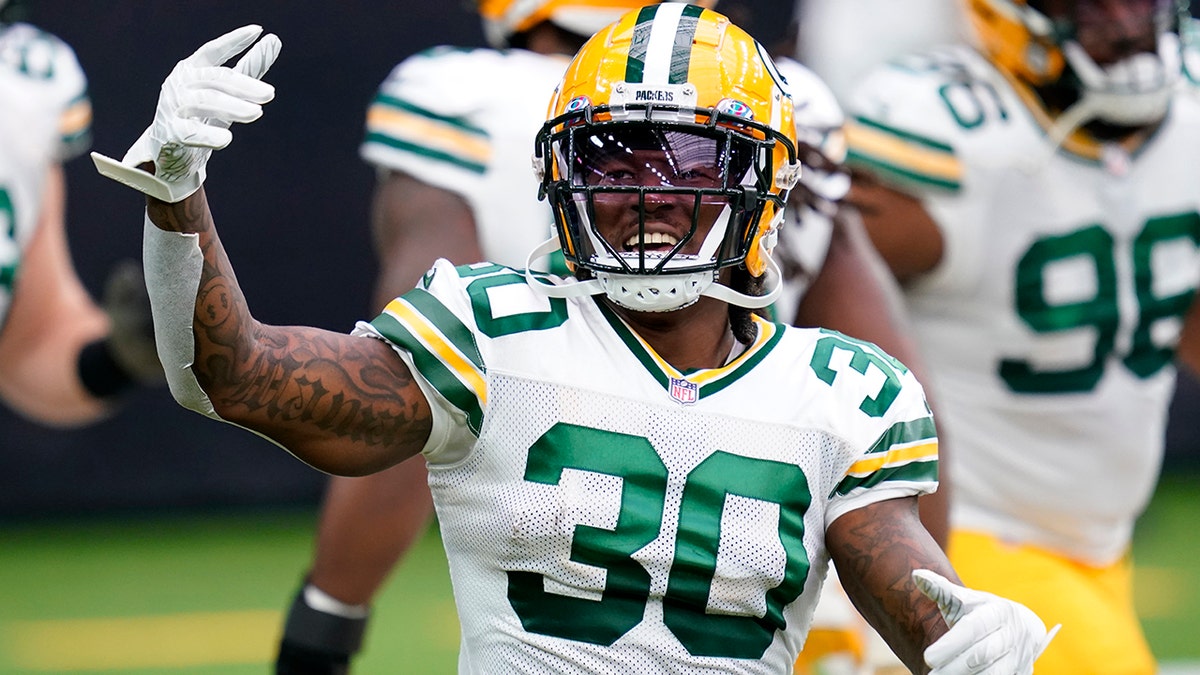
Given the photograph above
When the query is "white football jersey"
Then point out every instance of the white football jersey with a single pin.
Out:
(45, 117)
(1050, 323)
(464, 120)
(604, 512)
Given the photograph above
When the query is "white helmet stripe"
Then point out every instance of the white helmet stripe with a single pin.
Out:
(660, 48)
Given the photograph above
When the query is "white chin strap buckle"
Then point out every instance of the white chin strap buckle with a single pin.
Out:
(653, 293)
(659, 293)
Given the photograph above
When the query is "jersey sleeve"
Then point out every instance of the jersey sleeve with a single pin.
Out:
(900, 128)
(422, 120)
(52, 83)
(891, 427)
(433, 329)
(940, 126)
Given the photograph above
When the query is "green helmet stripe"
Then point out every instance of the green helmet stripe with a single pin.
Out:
(676, 28)
(635, 66)
(682, 55)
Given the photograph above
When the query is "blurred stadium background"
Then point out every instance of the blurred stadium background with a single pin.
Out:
(160, 541)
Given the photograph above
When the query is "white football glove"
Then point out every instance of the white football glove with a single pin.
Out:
(988, 634)
(198, 102)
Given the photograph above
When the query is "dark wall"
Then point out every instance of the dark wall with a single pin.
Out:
(290, 196)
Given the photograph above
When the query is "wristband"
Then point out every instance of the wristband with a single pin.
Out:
(101, 375)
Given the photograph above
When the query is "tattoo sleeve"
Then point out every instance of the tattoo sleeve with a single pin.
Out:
(875, 549)
(344, 404)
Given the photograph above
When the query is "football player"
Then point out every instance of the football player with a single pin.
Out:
(1036, 193)
(449, 134)
(632, 470)
(64, 360)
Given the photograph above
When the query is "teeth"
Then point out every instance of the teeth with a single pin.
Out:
(652, 239)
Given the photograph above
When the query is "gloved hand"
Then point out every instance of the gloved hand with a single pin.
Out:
(988, 634)
(198, 102)
(131, 328)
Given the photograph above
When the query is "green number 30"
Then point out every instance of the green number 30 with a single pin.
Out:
(627, 588)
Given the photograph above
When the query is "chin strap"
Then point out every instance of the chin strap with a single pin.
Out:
(570, 288)
(1109, 94)
(772, 282)
(573, 288)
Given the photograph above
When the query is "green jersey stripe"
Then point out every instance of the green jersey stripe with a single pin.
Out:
(400, 104)
(437, 373)
(663, 378)
(440, 155)
(906, 135)
(459, 336)
(905, 433)
(898, 173)
(919, 472)
(635, 346)
(751, 361)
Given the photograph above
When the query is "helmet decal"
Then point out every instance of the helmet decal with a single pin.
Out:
(676, 26)
(734, 108)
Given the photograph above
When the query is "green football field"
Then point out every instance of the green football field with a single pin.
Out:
(204, 593)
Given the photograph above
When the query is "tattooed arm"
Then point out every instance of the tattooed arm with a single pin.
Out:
(875, 549)
(346, 405)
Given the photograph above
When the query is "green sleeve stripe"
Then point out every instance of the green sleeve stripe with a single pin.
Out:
(435, 371)
(400, 104)
(446, 323)
(919, 472)
(907, 136)
(905, 433)
(383, 139)
(890, 172)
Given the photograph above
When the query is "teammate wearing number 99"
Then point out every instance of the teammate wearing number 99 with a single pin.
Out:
(632, 470)
(1037, 195)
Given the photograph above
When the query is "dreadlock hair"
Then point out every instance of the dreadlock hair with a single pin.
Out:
(740, 322)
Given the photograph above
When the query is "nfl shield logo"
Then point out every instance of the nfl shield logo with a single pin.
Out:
(683, 391)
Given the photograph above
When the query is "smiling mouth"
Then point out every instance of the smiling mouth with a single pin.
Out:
(654, 242)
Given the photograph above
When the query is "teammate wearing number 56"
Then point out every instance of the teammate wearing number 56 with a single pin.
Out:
(1038, 196)
(632, 470)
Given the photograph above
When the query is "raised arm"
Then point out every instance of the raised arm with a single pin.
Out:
(346, 405)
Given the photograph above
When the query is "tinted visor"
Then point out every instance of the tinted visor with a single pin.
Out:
(629, 156)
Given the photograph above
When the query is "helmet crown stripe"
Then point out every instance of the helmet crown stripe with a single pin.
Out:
(662, 44)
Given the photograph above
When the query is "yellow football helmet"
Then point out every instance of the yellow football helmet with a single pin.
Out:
(504, 18)
(687, 107)
(1017, 38)
(1023, 39)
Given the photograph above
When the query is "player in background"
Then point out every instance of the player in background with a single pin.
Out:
(450, 134)
(641, 503)
(843, 40)
(1035, 192)
(64, 360)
